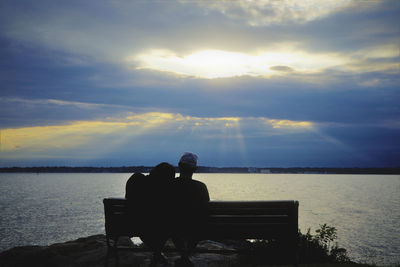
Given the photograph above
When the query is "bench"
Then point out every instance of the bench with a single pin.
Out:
(276, 220)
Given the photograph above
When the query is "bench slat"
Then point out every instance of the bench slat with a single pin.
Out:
(232, 211)
(252, 204)
(260, 219)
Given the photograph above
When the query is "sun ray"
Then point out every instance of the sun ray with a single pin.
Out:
(93, 139)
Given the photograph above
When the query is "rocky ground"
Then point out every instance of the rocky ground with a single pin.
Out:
(91, 252)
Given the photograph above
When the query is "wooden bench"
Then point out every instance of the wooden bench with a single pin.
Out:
(227, 220)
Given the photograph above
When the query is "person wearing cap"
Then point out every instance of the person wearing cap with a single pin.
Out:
(191, 208)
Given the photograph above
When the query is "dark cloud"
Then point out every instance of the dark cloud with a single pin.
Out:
(60, 63)
(34, 73)
(115, 29)
(282, 68)
(353, 29)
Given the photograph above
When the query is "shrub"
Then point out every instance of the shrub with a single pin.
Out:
(321, 247)
(318, 248)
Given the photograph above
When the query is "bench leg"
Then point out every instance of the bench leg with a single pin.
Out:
(295, 257)
(108, 251)
(116, 251)
(112, 249)
(291, 248)
(294, 249)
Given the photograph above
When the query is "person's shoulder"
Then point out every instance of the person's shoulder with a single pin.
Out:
(202, 189)
(188, 182)
(199, 183)
(136, 177)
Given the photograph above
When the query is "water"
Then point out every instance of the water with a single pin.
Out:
(41, 209)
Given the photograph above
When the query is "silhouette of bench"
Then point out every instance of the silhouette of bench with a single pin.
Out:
(277, 220)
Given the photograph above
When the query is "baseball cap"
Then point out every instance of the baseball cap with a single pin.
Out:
(189, 158)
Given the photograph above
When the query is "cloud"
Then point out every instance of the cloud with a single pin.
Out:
(222, 141)
(371, 83)
(56, 102)
(19, 112)
(185, 27)
(264, 12)
(246, 77)
(330, 36)
(290, 124)
(282, 68)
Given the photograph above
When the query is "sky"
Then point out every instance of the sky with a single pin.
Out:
(240, 83)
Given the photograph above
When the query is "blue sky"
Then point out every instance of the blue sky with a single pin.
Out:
(240, 83)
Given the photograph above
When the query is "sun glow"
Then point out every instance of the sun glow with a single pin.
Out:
(221, 64)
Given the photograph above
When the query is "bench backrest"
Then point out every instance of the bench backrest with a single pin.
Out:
(117, 222)
(227, 219)
(253, 219)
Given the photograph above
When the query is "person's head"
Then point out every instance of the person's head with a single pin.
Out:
(188, 163)
(163, 171)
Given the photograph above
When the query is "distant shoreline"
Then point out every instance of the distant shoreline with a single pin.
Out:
(203, 169)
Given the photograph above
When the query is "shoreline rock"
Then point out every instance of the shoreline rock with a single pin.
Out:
(91, 251)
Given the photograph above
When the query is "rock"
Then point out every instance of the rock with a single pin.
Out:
(91, 252)
(88, 251)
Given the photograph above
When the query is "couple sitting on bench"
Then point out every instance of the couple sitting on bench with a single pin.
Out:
(162, 207)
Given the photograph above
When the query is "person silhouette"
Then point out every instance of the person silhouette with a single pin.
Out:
(191, 205)
(150, 205)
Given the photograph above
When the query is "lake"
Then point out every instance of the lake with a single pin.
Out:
(41, 209)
